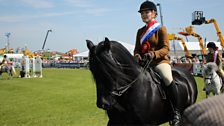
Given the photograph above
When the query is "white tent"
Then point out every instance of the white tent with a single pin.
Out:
(128, 46)
(82, 54)
(191, 46)
(14, 56)
(177, 49)
(177, 46)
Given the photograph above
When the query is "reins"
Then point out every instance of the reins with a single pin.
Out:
(122, 90)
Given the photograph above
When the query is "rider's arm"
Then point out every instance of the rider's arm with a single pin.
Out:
(137, 50)
(163, 43)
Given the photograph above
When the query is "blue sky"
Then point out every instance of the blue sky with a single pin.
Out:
(74, 21)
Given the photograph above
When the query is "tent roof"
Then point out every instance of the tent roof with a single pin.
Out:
(191, 45)
(128, 46)
(82, 54)
(173, 45)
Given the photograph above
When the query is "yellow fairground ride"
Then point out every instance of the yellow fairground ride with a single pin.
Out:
(27, 52)
(2, 51)
(189, 31)
(174, 37)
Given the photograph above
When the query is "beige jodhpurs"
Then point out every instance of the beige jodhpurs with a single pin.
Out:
(164, 70)
(221, 72)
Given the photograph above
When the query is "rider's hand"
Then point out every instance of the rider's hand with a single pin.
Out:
(149, 55)
(138, 57)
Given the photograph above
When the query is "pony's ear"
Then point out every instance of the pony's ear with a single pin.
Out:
(107, 43)
(89, 44)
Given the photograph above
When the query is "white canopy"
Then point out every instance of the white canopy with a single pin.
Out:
(128, 46)
(14, 56)
(177, 45)
(191, 46)
(17, 56)
(82, 54)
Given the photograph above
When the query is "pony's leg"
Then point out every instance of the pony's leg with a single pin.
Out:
(9, 73)
(207, 93)
(217, 91)
(9, 76)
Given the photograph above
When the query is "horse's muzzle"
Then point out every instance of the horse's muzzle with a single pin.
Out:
(103, 104)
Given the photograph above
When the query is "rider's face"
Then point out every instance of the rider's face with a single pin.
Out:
(211, 50)
(148, 15)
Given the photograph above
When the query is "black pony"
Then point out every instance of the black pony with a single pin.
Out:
(130, 94)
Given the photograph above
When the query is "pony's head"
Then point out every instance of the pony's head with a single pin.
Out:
(209, 71)
(209, 68)
(112, 67)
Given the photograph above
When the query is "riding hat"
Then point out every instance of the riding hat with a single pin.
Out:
(211, 45)
(147, 5)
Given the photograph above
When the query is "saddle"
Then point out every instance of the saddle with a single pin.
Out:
(158, 81)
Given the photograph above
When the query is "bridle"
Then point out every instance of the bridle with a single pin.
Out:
(121, 90)
(211, 77)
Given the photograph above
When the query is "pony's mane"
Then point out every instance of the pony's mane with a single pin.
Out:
(113, 66)
(209, 68)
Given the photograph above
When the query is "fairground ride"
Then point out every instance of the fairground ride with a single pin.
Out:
(189, 31)
(28, 53)
(2, 51)
(198, 19)
(174, 37)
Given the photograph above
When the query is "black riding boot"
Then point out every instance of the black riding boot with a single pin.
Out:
(172, 93)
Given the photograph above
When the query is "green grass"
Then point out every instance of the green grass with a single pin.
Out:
(63, 97)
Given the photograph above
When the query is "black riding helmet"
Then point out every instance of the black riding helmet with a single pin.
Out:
(147, 5)
(211, 45)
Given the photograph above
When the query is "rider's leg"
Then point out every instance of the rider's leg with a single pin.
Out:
(165, 72)
(221, 72)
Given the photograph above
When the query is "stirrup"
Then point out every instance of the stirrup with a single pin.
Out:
(176, 119)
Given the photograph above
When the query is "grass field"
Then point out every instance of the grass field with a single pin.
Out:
(63, 97)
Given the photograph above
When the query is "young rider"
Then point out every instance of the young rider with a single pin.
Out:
(214, 56)
(152, 42)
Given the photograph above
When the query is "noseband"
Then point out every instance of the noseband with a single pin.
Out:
(211, 77)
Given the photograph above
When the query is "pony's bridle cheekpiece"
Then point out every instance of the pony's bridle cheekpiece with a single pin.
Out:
(211, 77)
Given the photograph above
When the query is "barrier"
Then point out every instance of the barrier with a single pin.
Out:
(186, 66)
(68, 65)
(25, 67)
(197, 69)
(37, 67)
(194, 68)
